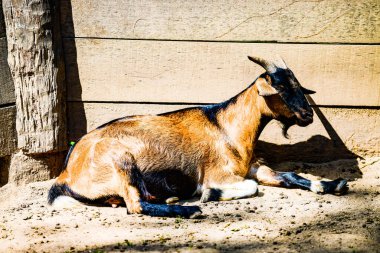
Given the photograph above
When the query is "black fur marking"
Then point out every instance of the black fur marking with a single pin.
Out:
(286, 124)
(148, 208)
(68, 156)
(234, 151)
(338, 185)
(178, 111)
(307, 91)
(289, 89)
(56, 191)
(168, 183)
(211, 194)
(133, 173)
(291, 179)
(169, 210)
(64, 190)
(211, 111)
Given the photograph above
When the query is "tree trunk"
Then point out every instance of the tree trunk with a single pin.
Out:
(34, 50)
(33, 58)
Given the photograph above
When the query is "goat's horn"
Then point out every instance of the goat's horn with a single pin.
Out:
(281, 63)
(268, 66)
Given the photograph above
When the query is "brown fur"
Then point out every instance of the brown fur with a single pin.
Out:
(186, 140)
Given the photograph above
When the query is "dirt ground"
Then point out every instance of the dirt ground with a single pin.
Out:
(277, 220)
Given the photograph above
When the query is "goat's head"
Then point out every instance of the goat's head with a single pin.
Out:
(284, 95)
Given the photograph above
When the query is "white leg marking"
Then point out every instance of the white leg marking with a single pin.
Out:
(238, 190)
(316, 187)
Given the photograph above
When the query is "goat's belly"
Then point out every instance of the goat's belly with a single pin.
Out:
(169, 183)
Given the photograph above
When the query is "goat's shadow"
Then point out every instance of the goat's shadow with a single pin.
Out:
(318, 155)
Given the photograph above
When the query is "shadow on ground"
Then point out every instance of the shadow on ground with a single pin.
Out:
(317, 149)
(351, 234)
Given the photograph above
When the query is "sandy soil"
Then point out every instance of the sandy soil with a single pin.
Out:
(278, 220)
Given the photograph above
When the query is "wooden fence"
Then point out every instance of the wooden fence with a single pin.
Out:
(125, 57)
(136, 57)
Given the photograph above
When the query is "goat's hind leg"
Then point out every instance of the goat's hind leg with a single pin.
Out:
(137, 198)
(266, 176)
(132, 188)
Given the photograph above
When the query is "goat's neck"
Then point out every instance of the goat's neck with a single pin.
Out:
(243, 119)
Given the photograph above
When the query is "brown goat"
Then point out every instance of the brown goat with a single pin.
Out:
(206, 150)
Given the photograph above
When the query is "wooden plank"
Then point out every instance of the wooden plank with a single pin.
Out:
(168, 71)
(85, 117)
(8, 137)
(7, 94)
(357, 131)
(342, 21)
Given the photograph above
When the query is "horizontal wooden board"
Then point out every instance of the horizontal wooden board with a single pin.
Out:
(350, 131)
(84, 117)
(204, 72)
(8, 137)
(7, 90)
(344, 21)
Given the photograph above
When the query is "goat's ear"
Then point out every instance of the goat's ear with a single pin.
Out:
(264, 88)
(307, 91)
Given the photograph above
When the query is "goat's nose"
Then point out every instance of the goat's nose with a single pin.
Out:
(306, 113)
(309, 113)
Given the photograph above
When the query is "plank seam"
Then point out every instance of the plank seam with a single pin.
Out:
(195, 103)
(230, 41)
(138, 102)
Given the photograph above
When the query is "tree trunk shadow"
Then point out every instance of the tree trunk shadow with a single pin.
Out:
(76, 116)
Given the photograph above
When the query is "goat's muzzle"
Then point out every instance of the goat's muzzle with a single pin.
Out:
(304, 118)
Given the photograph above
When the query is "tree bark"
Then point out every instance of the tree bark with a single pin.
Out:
(37, 70)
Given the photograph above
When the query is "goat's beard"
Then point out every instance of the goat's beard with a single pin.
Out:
(286, 123)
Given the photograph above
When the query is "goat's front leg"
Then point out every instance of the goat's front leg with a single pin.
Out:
(234, 187)
(266, 176)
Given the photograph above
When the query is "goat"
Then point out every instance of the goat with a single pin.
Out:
(205, 150)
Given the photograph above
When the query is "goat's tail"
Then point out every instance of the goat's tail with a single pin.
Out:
(61, 196)
(62, 192)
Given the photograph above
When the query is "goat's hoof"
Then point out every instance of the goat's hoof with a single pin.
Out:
(191, 212)
(211, 194)
(197, 215)
(341, 187)
(134, 208)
